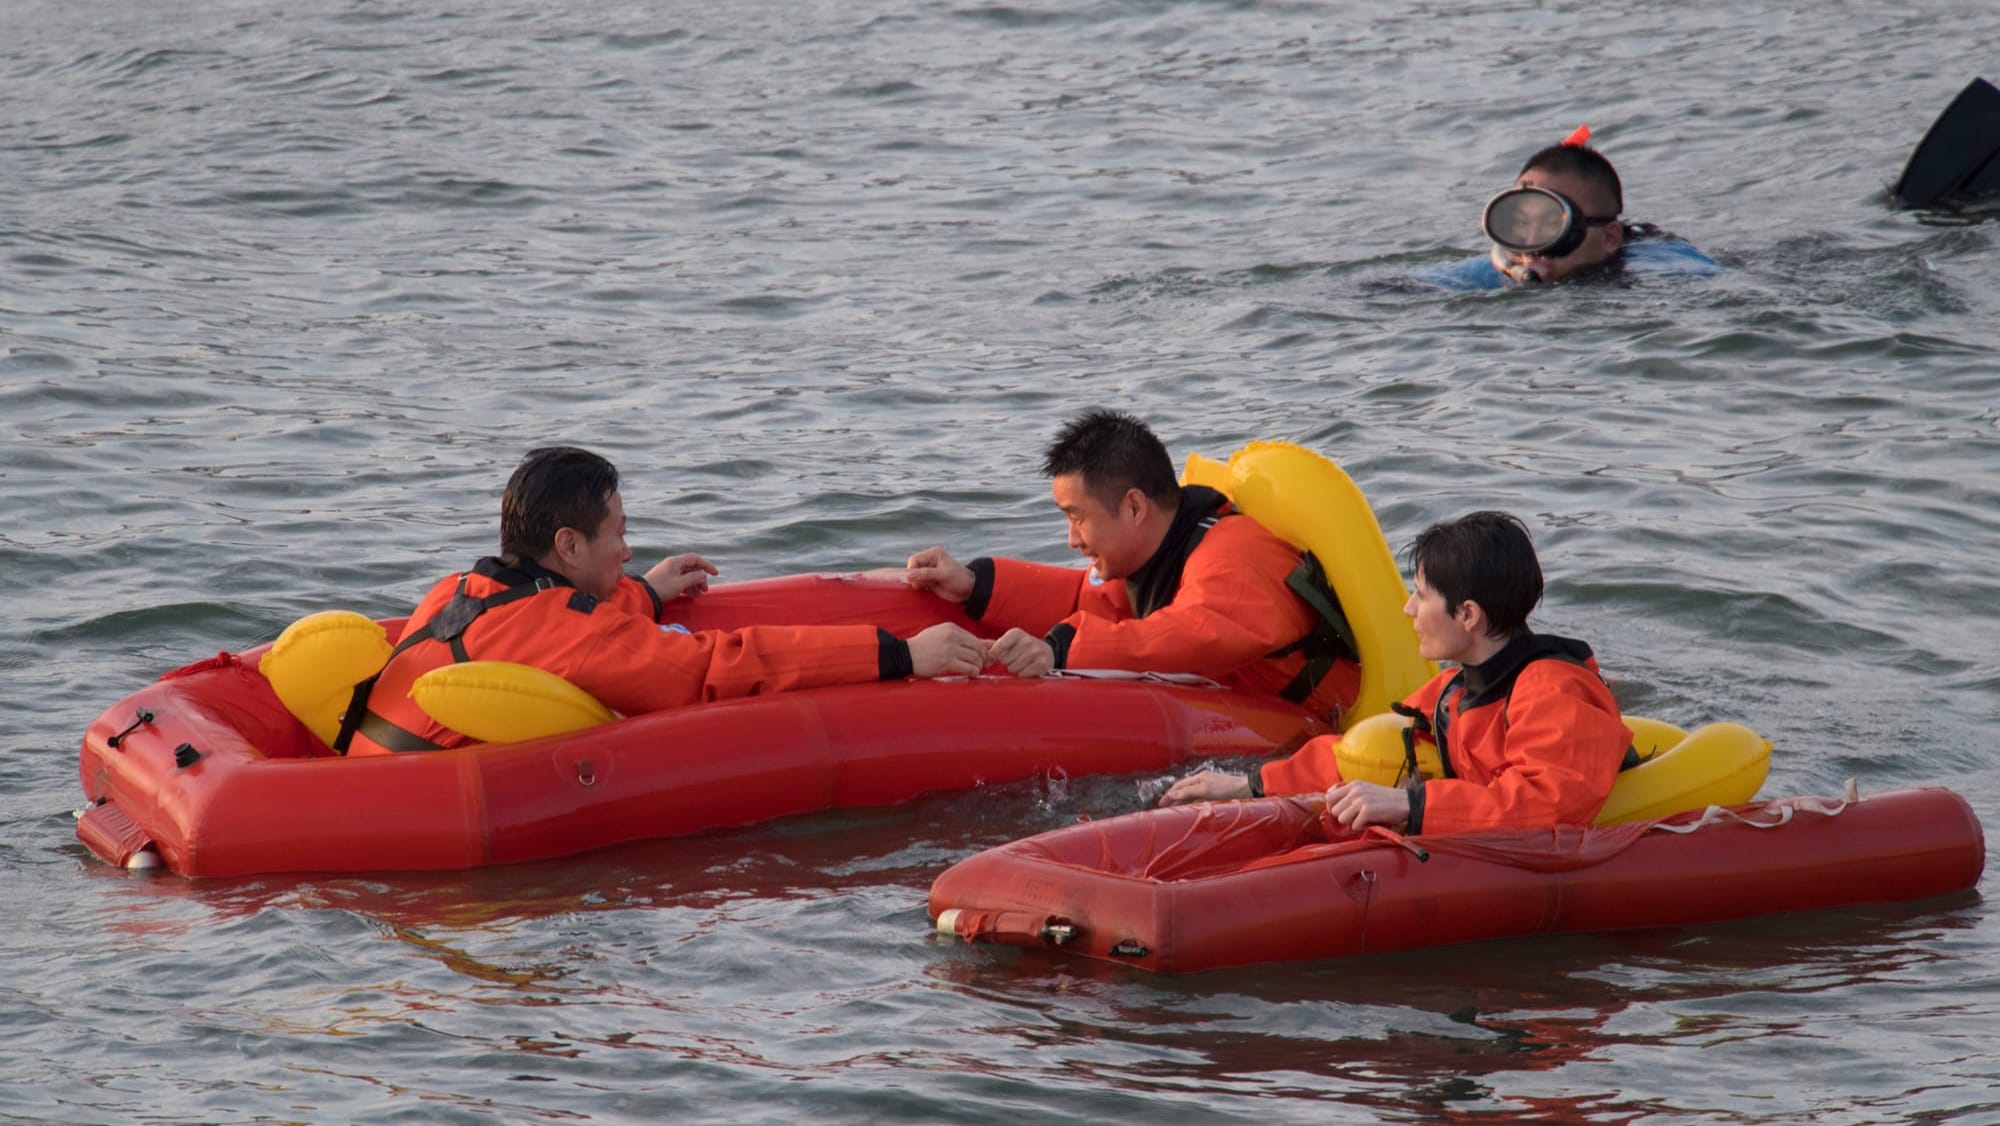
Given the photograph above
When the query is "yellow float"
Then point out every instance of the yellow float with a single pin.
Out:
(1309, 502)
(505, 702)
(315, 664)
(1715, 764)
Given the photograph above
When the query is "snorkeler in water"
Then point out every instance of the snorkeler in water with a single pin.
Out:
(1562, 220)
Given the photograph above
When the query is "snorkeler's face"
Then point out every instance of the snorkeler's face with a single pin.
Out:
(1600, 241)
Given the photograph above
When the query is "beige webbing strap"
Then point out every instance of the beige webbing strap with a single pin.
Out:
(1783, 809)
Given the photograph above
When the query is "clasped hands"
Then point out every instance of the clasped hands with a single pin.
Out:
(944, 649)
(1018, 651)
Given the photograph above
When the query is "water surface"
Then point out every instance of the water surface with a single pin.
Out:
(285, 290)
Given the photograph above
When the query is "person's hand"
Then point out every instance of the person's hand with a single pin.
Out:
(1358, 805)
(947, 650)
(1209, 785)
(680, 575)
(1023, 654)
(934, 569)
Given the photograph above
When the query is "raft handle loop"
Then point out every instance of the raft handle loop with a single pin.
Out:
(144, 717)
(586, 772)
(1057, 931)
(185, 755)
(1129, 948)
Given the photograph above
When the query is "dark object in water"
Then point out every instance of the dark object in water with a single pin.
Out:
(1958, 161)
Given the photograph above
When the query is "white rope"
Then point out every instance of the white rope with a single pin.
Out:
(1784, 809)
(1187, 679)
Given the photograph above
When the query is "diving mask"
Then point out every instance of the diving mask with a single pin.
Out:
(1537, 221)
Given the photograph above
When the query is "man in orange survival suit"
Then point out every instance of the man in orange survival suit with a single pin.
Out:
(1526, 725)
(1178, 582)
(556, 597)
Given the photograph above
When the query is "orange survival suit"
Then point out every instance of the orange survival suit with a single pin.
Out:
(1222, 598)
(1529, 738)
(615, 650)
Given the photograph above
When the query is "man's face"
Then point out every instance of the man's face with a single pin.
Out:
(1108, 535)
(1599, 243)
(595, 561)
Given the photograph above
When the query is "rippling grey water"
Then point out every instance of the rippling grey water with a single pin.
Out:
(285, 289)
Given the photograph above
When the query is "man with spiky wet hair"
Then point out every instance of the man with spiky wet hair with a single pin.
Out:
(1178, 580)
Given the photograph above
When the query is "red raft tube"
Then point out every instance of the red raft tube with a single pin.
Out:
(1221, 884)
(207, 773)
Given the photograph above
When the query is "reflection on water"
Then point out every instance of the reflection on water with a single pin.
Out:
(1461, 1031)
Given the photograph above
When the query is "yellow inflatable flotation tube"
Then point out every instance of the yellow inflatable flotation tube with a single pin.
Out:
(506, 702)
(1309, 502)
(315, 664)
(1715, 764)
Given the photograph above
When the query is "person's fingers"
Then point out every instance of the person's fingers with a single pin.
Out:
(1021, 662)
(1336, 804)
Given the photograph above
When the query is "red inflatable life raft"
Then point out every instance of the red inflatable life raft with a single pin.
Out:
(1220, 884)
(207, 773)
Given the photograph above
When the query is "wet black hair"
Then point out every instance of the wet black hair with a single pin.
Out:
(1114, 451)
(1483, 557)
(554, 487)
(1585, 163)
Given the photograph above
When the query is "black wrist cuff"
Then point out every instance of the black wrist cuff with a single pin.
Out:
(892, 657)
(1059, 638)
(659, 604)
(982, 587)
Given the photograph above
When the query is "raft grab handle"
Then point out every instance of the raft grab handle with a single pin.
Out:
(142, 719)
